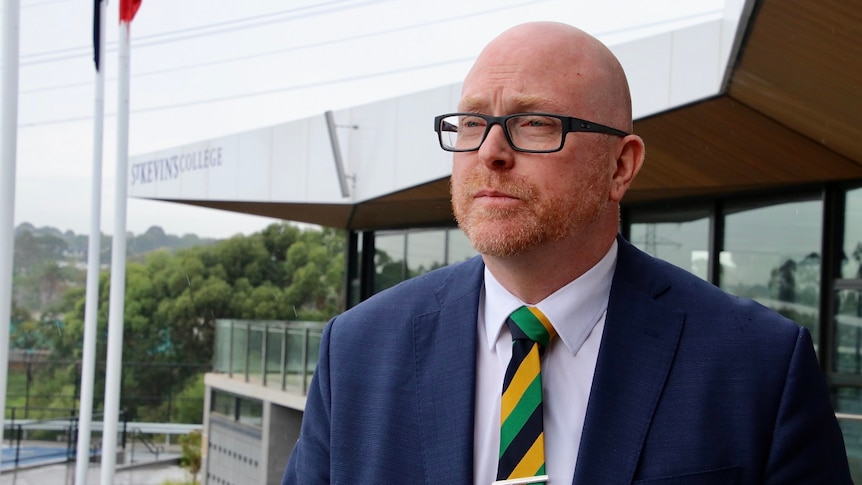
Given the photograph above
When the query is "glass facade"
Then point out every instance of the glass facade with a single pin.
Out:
(848, 403)
(223, 403)
(399, 255)
(772, 255)
(848, 332)
(848, 291)
(851, 267)
(846, 365)
(237, 408)
(250, 412)
(282, 355)
(390, 259)
(678, 237)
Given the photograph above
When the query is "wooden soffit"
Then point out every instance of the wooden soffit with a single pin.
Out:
(424, 205)
(724, 146)
(801, 65)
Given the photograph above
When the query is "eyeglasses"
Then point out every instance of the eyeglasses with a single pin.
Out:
(525, 132)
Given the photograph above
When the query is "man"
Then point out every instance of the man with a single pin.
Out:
(655, 377)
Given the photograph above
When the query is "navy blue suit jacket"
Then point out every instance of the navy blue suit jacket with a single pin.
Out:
(692, 386)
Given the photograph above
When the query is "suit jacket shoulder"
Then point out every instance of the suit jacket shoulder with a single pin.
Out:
(392, 398)
(694, 382)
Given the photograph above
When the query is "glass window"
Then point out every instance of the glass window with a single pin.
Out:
(848, 332)
(389, 264)
(681, 239)
(404, 254)
(255, 352)
(848, 297)
(239, 349)
(313, 352)
(224, 404)
(295, 348)
(355, 272)
(221, 355)
(426, 250)
(772, 254)
(849, 400)
(851, 263)
(274, 339)
(459, 248)
(250, 412)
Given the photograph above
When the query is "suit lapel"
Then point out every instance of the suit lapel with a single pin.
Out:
(445, 364)
(635, 357)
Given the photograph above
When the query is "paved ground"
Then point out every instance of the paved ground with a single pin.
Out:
(38, 470)
(63, 474)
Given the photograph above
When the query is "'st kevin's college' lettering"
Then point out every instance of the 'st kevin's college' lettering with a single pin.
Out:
(172, 167)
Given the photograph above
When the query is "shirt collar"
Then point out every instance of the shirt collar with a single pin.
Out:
(574, 309)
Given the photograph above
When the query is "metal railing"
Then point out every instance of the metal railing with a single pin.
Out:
(276, 354)
(63, 429)
(138, 435)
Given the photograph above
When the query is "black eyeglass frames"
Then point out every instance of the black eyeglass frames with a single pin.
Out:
(525, 132)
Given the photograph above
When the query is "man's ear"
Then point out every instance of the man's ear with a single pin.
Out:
(628, 164)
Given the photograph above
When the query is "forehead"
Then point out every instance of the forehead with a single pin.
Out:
(516, 89)
(516, 103)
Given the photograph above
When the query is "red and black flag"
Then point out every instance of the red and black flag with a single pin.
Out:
(128, 9)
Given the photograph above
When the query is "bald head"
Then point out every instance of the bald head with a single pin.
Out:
(583, 72)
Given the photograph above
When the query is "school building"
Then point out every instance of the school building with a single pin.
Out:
(753, 180)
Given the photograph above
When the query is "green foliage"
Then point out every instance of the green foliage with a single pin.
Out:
(191, 455)
(190, 402)
(187, 406)
(48, 262)
(173, 300)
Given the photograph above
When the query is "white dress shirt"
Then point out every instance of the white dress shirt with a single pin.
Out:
(577, 312)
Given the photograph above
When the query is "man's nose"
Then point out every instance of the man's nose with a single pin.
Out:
(495, 152)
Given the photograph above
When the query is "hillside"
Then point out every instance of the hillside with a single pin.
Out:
(48, 261)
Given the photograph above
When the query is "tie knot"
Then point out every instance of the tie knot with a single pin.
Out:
(529, 323)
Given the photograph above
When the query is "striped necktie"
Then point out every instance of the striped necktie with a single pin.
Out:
(522, 441)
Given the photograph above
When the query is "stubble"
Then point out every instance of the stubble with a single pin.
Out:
(539, 218)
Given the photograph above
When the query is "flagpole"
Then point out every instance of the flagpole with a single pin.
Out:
(118, 267)
(91, 307)
(8, 144)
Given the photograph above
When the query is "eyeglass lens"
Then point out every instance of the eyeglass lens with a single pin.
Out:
(525, 132)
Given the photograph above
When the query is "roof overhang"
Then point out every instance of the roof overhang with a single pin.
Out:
(789, 114)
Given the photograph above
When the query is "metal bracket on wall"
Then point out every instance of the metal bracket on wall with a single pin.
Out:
(336, 154)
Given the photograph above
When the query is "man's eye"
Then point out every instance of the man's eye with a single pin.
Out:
(536, 122)
(472, 124)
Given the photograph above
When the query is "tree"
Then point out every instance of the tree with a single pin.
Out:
(189, 407)
(32, 250)
(783, 281)
(174, 300)
(191, 455)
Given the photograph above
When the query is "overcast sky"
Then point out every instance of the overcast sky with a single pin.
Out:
(208, 68)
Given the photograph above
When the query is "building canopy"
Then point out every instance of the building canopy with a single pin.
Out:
(761, 97)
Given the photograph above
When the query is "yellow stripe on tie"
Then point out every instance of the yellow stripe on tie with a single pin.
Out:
(523, 378)
(545, 322)
(522, 442)
(533, 461)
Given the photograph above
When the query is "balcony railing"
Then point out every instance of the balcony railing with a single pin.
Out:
(277, 354)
